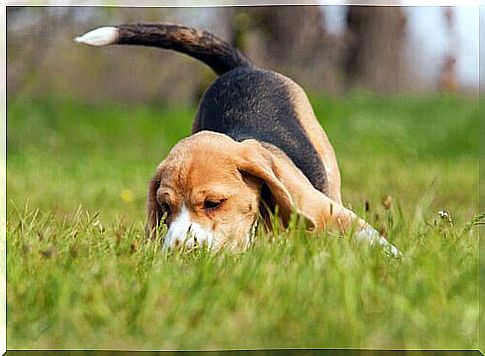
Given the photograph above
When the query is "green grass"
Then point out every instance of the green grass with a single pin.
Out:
(80, 274)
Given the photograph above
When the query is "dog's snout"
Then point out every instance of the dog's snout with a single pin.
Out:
(185, 233)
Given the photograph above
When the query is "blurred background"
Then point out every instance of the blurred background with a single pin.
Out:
(327, 49)
(87, 126)
(395, 89)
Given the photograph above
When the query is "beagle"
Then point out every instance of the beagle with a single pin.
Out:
(256, 147)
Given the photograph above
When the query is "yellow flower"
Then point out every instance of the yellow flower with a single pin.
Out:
(127, 195)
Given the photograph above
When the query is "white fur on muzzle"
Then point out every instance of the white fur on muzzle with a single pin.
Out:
(184, 232)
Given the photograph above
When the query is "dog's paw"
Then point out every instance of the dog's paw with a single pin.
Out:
(371, 235)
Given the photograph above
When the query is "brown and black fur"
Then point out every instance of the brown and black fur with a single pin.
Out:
(245, 102)
(202, 45)
(249, 102)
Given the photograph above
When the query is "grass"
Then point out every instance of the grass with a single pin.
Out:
(80, 274)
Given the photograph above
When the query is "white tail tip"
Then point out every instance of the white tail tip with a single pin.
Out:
(102, 36)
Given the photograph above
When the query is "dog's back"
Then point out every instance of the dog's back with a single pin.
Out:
(245, 101)
(249, 102)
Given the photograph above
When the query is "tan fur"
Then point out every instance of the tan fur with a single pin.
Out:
(202, 167)
(316, 134)
(210, 165)
(283, 177)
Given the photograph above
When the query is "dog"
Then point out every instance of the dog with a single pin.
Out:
(256, 148)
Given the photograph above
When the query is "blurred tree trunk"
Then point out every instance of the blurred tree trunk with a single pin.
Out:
(291, 40)
(447, 80)
(376, 36)
(292, 33)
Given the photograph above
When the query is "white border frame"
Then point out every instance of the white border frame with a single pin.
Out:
(140, 3)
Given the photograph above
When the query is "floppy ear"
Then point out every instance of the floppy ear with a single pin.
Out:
(154, 213)
(284, 182)
(292, 191)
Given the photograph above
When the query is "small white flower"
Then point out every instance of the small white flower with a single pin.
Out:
(445, 215)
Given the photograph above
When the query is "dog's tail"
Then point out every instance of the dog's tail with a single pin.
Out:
(204, 46)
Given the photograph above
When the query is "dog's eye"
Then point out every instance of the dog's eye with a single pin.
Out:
(210, 205)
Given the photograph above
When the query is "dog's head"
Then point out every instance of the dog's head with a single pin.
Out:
(211, 189)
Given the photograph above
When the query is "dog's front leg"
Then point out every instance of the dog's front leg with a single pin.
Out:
(331, 215)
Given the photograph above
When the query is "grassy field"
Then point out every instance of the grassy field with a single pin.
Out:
(80, 274)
